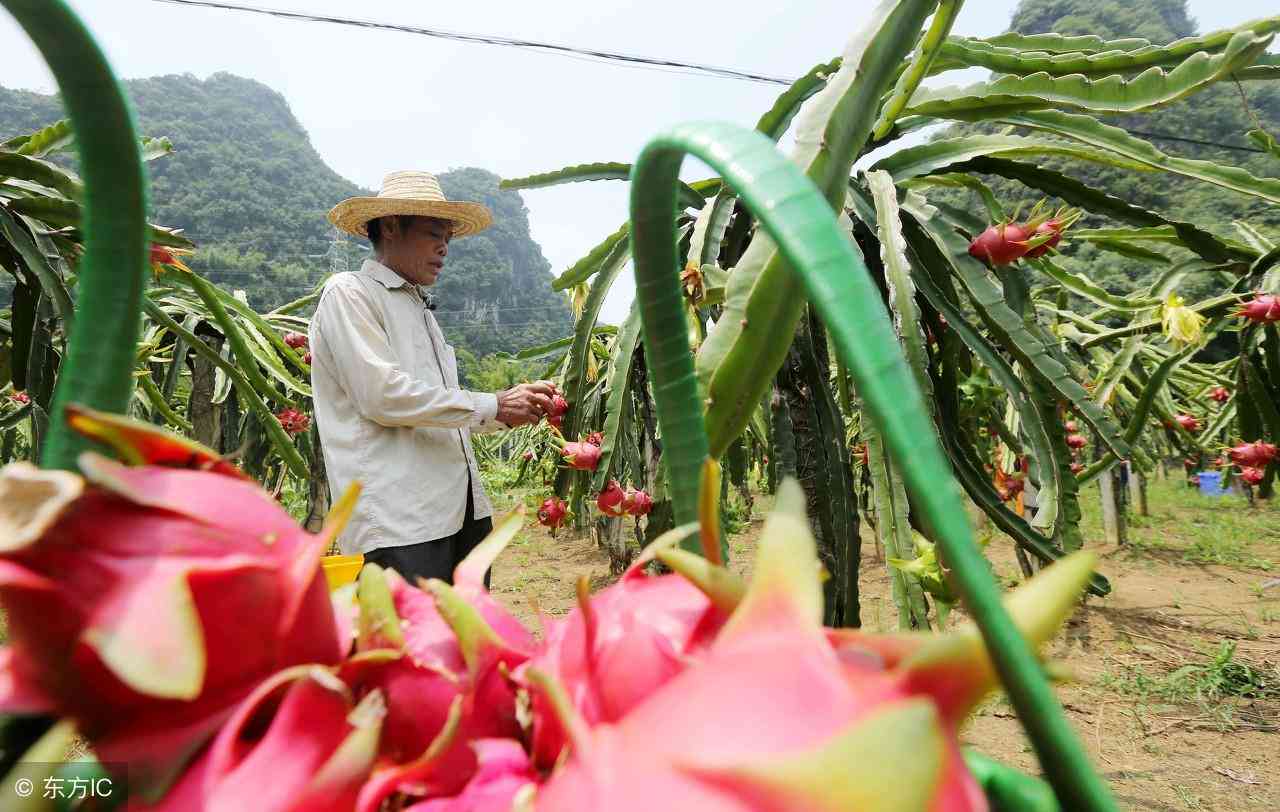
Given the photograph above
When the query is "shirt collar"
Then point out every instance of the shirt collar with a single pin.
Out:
(389, 278)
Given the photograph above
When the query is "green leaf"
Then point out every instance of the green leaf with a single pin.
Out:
(1265, 140)
(1085, 287)
(605, 170)
(51, 282)
(624, 351)
(23, 167)
(832, 130)
(938, 155)
(560, 343)
(1095, 133)
(583, 269)
(59, 213)
(42, 142)
(779, 117)
(963, 52)
(922, 60)
(1152, 89)
(1209, 307)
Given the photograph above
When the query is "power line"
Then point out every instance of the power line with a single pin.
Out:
(629, 60)
(532, 45)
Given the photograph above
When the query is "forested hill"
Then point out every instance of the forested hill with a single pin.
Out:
(1220, 115)
(249, 188)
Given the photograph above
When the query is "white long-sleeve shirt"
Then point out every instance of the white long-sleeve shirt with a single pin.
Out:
(390, 413)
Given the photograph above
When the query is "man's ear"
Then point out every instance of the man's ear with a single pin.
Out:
(392, 228)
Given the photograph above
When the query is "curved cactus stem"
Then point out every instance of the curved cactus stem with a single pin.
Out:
(798, 219)
(113, 268)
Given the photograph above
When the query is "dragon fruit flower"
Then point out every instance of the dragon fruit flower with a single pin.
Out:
(875, 727)
(162, 257)
(145, 602)
(1182, 325)
(611, 501)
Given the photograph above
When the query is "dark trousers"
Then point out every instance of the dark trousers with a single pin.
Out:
(438, 558)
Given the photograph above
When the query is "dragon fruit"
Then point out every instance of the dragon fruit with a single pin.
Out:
(581, 456)
(1263, 309)
(1253, 455)
(611, 500)
(617, 647)
(1188, 423)
(552, 512)
(146, 602)
(1253, 476)
(295, 340)
(527, 456)
(293, 421)
(596, 438)
(1051, 232)
(559, 407)
(874, 728)
(21, 398)
(306, 358)
(1220, 394)
(1076, 441)
(504, 779)
(637, 502)
(1077, 467)
(445, 681)
(1001, 244)
(297, 744)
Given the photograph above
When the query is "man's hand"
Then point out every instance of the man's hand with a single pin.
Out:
(525, 403)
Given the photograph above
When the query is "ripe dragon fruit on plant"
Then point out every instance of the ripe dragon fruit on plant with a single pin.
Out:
(1220, 394)
(1253, 476)
(611, 500)
(145, 602)
(295, 340)
(1253, 455)
(1076, 441)
(552, 513)
(21, 398)
(1188, 423)
(581, 456)
(559, 407)
(1262, 309)
(637, 502)
(293, 421)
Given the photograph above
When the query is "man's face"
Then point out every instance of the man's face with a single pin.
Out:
(416, 248)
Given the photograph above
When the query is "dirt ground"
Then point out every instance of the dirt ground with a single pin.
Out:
(1146, 698)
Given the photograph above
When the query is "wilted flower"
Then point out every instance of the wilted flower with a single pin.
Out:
(1182, 325)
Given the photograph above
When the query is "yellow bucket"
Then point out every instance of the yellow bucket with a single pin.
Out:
(341, 570)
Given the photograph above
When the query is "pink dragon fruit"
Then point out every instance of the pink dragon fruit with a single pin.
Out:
(21, 398)
(306, 358)
(552, 513)
(446, 682)
(618, 646)
(503, 780)
(297, 744)
(1076, 441)
(875, 727)
(1253, 476)
(144, 603)
(596, 438)
(611, 501)
(293, 421)
(1262, 309)
(1220, 394)
(295, 340)
(581, 456)
(1188, 423)
(1253, 455)
(637, 503)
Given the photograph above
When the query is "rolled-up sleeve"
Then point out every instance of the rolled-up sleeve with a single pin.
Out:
(353, 345)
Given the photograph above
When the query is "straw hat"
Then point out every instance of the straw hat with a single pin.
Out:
(411, 193)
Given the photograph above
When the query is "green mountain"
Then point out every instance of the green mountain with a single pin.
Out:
(1221, 115)
(246, 184)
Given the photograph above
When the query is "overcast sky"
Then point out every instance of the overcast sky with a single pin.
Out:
(378, 101)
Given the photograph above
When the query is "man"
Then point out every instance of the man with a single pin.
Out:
(389, 409)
